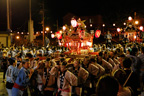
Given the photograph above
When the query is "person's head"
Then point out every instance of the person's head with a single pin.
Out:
(4, 55)
(129, 50)
(134, 51)
(120, 75)
(77, 62)
(47, 63)
(100, 56)
(12, 61)
(142, 49)
(39, 55)
(86, 60)
(62, 55)
(121, 58)
(111, 54)
(108, 32)
(29, 55)
(26, 63)
(106, 55)
(19, 64)
(62, 60)
(41, 64)
(107, 86)
(92, 60)
(63, 66)
(9, 55)
(127, 62)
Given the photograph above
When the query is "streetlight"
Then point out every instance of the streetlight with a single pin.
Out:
(52, 35)
(136, 22)
(47, 28)
(60, 31)
(124, 23)
(141, 28)
(129, 18)
(64, 28)
(118, 29)
(17, 37)
(113, 24)
(103, 27)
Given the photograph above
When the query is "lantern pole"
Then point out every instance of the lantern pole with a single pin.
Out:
(8, 15)
(43, 24)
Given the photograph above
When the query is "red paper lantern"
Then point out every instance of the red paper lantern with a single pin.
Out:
(97, 33)
(59, 35)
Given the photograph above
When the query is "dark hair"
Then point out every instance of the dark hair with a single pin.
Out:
(58, 62)
(120, 75)
(122, 55)
(142, 49)
(127, 62)
(25, 60)
(48, 59)
(79, 61)
(101, 53)
(107, 86)
(92, 60)
(62, 59)
(62, 54)
(11, 61)
(18, 63)
(39, 54)
(134, 51)
(64, 63)
(42, 65)
(29, 55)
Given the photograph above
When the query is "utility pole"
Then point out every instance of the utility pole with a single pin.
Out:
(57, 25)
(8, 16)
(43, 23)
(10, 7)
(134, 15)
(30, 11)
(30, 25)
(8, 21)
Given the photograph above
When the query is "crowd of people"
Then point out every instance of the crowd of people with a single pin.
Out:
(116, 71)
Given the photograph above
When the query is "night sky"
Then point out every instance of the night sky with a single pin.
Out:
(112, 12)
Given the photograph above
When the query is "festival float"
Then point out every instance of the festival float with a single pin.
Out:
(132, 31)
(76, 38)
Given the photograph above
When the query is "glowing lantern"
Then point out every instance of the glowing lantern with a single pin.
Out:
(141, 28)
(74, 22)
(58, 34)
(135, 37)
(64, 28)
(97, 33)
(118, 29)
(60, 44)
(129, 18)
(17, 37)
(82, 44)
(89, 44)
(52, 35)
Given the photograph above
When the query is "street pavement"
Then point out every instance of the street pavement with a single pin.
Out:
(3, 91)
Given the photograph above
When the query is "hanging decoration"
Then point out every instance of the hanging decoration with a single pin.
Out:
(74, 22)
(59, 35)
(97, 33)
